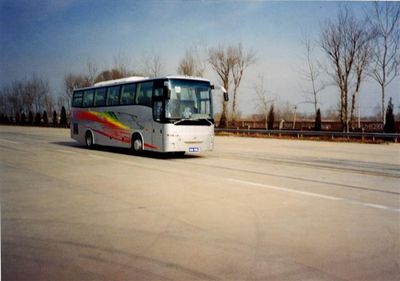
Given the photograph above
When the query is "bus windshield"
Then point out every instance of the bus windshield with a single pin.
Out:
(189, 99)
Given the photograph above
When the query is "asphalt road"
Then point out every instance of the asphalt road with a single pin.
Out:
(254, 209)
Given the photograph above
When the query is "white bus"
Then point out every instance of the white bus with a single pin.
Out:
(168, 114)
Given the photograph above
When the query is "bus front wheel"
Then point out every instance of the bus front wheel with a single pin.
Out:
(137, 144)
(89, 139)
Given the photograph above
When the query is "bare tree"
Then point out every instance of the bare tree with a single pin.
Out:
(110, 74)
(48, 102)
(342, 41)
(6, 106)
(311, 72)
(263, 101)
(221, 60)
(192, 64)
(26, 95)
(385, 20)
(12, 98)
(362, 59)
(121, 63)
(241, 60)
(286, 111)
(40, 90)
(152, 66)
(92, 71)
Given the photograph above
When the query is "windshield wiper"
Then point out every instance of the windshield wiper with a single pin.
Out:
(183, 120)
(192, 119)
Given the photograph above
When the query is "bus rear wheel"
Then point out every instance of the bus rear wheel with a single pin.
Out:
(89, 139)
(137, 144)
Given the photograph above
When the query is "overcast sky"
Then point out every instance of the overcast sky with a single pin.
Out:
(53, 37)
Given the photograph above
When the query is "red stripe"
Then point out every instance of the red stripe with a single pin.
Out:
(127, 140)
(151, 146)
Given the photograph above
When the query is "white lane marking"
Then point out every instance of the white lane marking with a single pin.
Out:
(286, 189)
(370, 205)
(13, 142)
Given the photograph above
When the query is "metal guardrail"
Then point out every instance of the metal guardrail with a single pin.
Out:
(299, 134)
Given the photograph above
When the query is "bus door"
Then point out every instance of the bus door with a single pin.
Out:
(158, 105)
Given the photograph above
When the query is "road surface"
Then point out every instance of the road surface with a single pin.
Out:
(254, 209)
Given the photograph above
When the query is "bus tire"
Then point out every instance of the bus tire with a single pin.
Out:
(137, 144)
(89, 139)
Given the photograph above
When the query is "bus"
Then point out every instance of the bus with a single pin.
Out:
(167, 114)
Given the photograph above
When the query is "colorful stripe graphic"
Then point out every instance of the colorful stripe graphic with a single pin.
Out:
(107, 119)
(106, 124)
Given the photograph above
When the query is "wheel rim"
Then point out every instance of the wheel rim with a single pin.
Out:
(137, 145)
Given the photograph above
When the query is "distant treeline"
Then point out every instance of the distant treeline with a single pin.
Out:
(37, 119)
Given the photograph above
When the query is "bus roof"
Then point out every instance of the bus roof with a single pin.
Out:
(141, 79)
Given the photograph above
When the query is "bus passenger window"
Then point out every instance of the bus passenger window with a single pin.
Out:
(128, 94)
(145, 91)
(77, 99)
(113, 95)
(100, 97)
(88, 98)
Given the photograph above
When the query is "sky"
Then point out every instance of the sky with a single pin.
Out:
(51, 38)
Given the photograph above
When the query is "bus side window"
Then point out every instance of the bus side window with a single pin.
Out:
(128, 94)
(88, 98)
(77, 99)
(100, 97)
(113, 95)
(144, 93)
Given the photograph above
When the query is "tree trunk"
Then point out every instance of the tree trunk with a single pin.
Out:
(223, 120)
(383, 105)
(353, 106)
(343, 116)
(234, 106)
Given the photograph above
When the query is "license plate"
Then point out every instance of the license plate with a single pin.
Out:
(194, 149)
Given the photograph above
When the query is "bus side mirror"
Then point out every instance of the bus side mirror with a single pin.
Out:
(226, 96)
